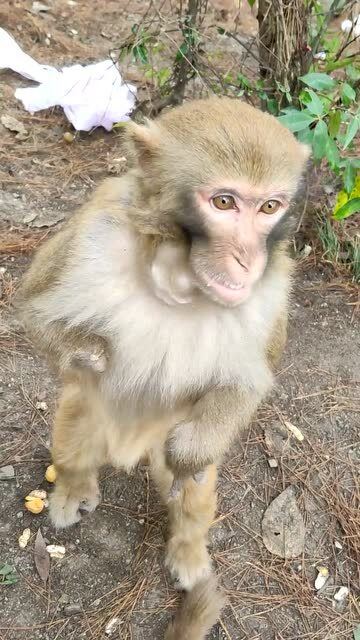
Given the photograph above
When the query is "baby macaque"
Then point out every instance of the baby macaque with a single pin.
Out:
(163, 305)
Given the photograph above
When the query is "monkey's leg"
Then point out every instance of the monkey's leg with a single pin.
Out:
(190, 517)
(78, 451)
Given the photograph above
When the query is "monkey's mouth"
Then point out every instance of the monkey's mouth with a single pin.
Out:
(226, 291)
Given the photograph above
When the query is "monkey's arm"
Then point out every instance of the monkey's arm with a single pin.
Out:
(217, 417)
(66, 348)
(214, 421)
(69, 349)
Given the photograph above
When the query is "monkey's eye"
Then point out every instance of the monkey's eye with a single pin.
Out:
(224, 202)
(271, 206)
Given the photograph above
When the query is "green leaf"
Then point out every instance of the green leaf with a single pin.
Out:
(244, 81)
(272, 106)
(349, 177)
(140, 53)
(351, 132)
(348, 94)
(5, 569)
(356, 632)
(339, 64)
(296, 120)
(334, 123)
(332, 154)
(251, 2)
(320, 140)
(352, 72)
(163, 76)
(8, 574)
(320, 81)
(314, 104)
(306, 136)
(350, 207)
(182, 51)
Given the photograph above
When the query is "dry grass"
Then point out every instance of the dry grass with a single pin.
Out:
(20, 241)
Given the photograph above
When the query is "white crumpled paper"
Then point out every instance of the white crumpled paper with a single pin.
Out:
(91, 96)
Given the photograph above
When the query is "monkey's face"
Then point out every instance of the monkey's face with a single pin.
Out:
(230, 227)
(224, 174)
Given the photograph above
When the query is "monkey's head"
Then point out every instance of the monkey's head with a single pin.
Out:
(222, 175)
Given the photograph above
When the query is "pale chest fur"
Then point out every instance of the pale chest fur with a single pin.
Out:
(160, 352)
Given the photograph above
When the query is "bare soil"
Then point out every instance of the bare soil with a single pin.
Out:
(113, 565)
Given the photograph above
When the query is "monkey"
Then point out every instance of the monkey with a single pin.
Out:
(163, 305)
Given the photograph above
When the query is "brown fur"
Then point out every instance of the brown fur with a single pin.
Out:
(198, 613)
(118, 348)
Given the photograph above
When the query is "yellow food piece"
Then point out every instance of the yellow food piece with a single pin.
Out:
(38, 493)
(295, 431)
(50, 473)
(34, 505)
(24, 538)
(68, 137)
(324, 571)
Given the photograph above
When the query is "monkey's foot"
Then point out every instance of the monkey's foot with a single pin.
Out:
(188, 562)
(66, 505)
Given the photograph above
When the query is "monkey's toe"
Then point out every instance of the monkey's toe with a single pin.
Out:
(64, 511)
(188, 563)
(90, 503)
(65, 505)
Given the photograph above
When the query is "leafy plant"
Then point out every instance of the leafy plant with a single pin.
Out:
(8, 574)
(328, 119)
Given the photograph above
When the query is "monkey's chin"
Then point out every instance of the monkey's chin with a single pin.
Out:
(230, 295)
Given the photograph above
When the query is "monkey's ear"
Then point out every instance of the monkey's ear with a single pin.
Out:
(143, 142)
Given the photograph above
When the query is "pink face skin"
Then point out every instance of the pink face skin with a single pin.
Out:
(235, 257)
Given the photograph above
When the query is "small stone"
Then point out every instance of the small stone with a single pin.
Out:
(111, 626)
(42, 406)
(20, 515)
(96, 603)
(72, 609)
(338, 545)
(141, 520)
(7, 472)
(306, 250)
(39, 7)
(273, 463)
(29, 217)
(341, 594)
(64, 599)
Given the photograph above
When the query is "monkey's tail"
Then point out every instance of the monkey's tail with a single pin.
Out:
(198, 612)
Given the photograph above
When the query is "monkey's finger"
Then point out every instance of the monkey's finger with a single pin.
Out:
(200, 477)
(175, 489)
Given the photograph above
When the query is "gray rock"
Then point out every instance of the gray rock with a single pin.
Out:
(72, 609)
(7, 472)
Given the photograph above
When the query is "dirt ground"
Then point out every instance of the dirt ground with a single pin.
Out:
(113, 566)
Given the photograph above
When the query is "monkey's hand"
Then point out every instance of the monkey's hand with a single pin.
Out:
(95, 360)
(186, 455)
(84, 353)
(204, 438)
